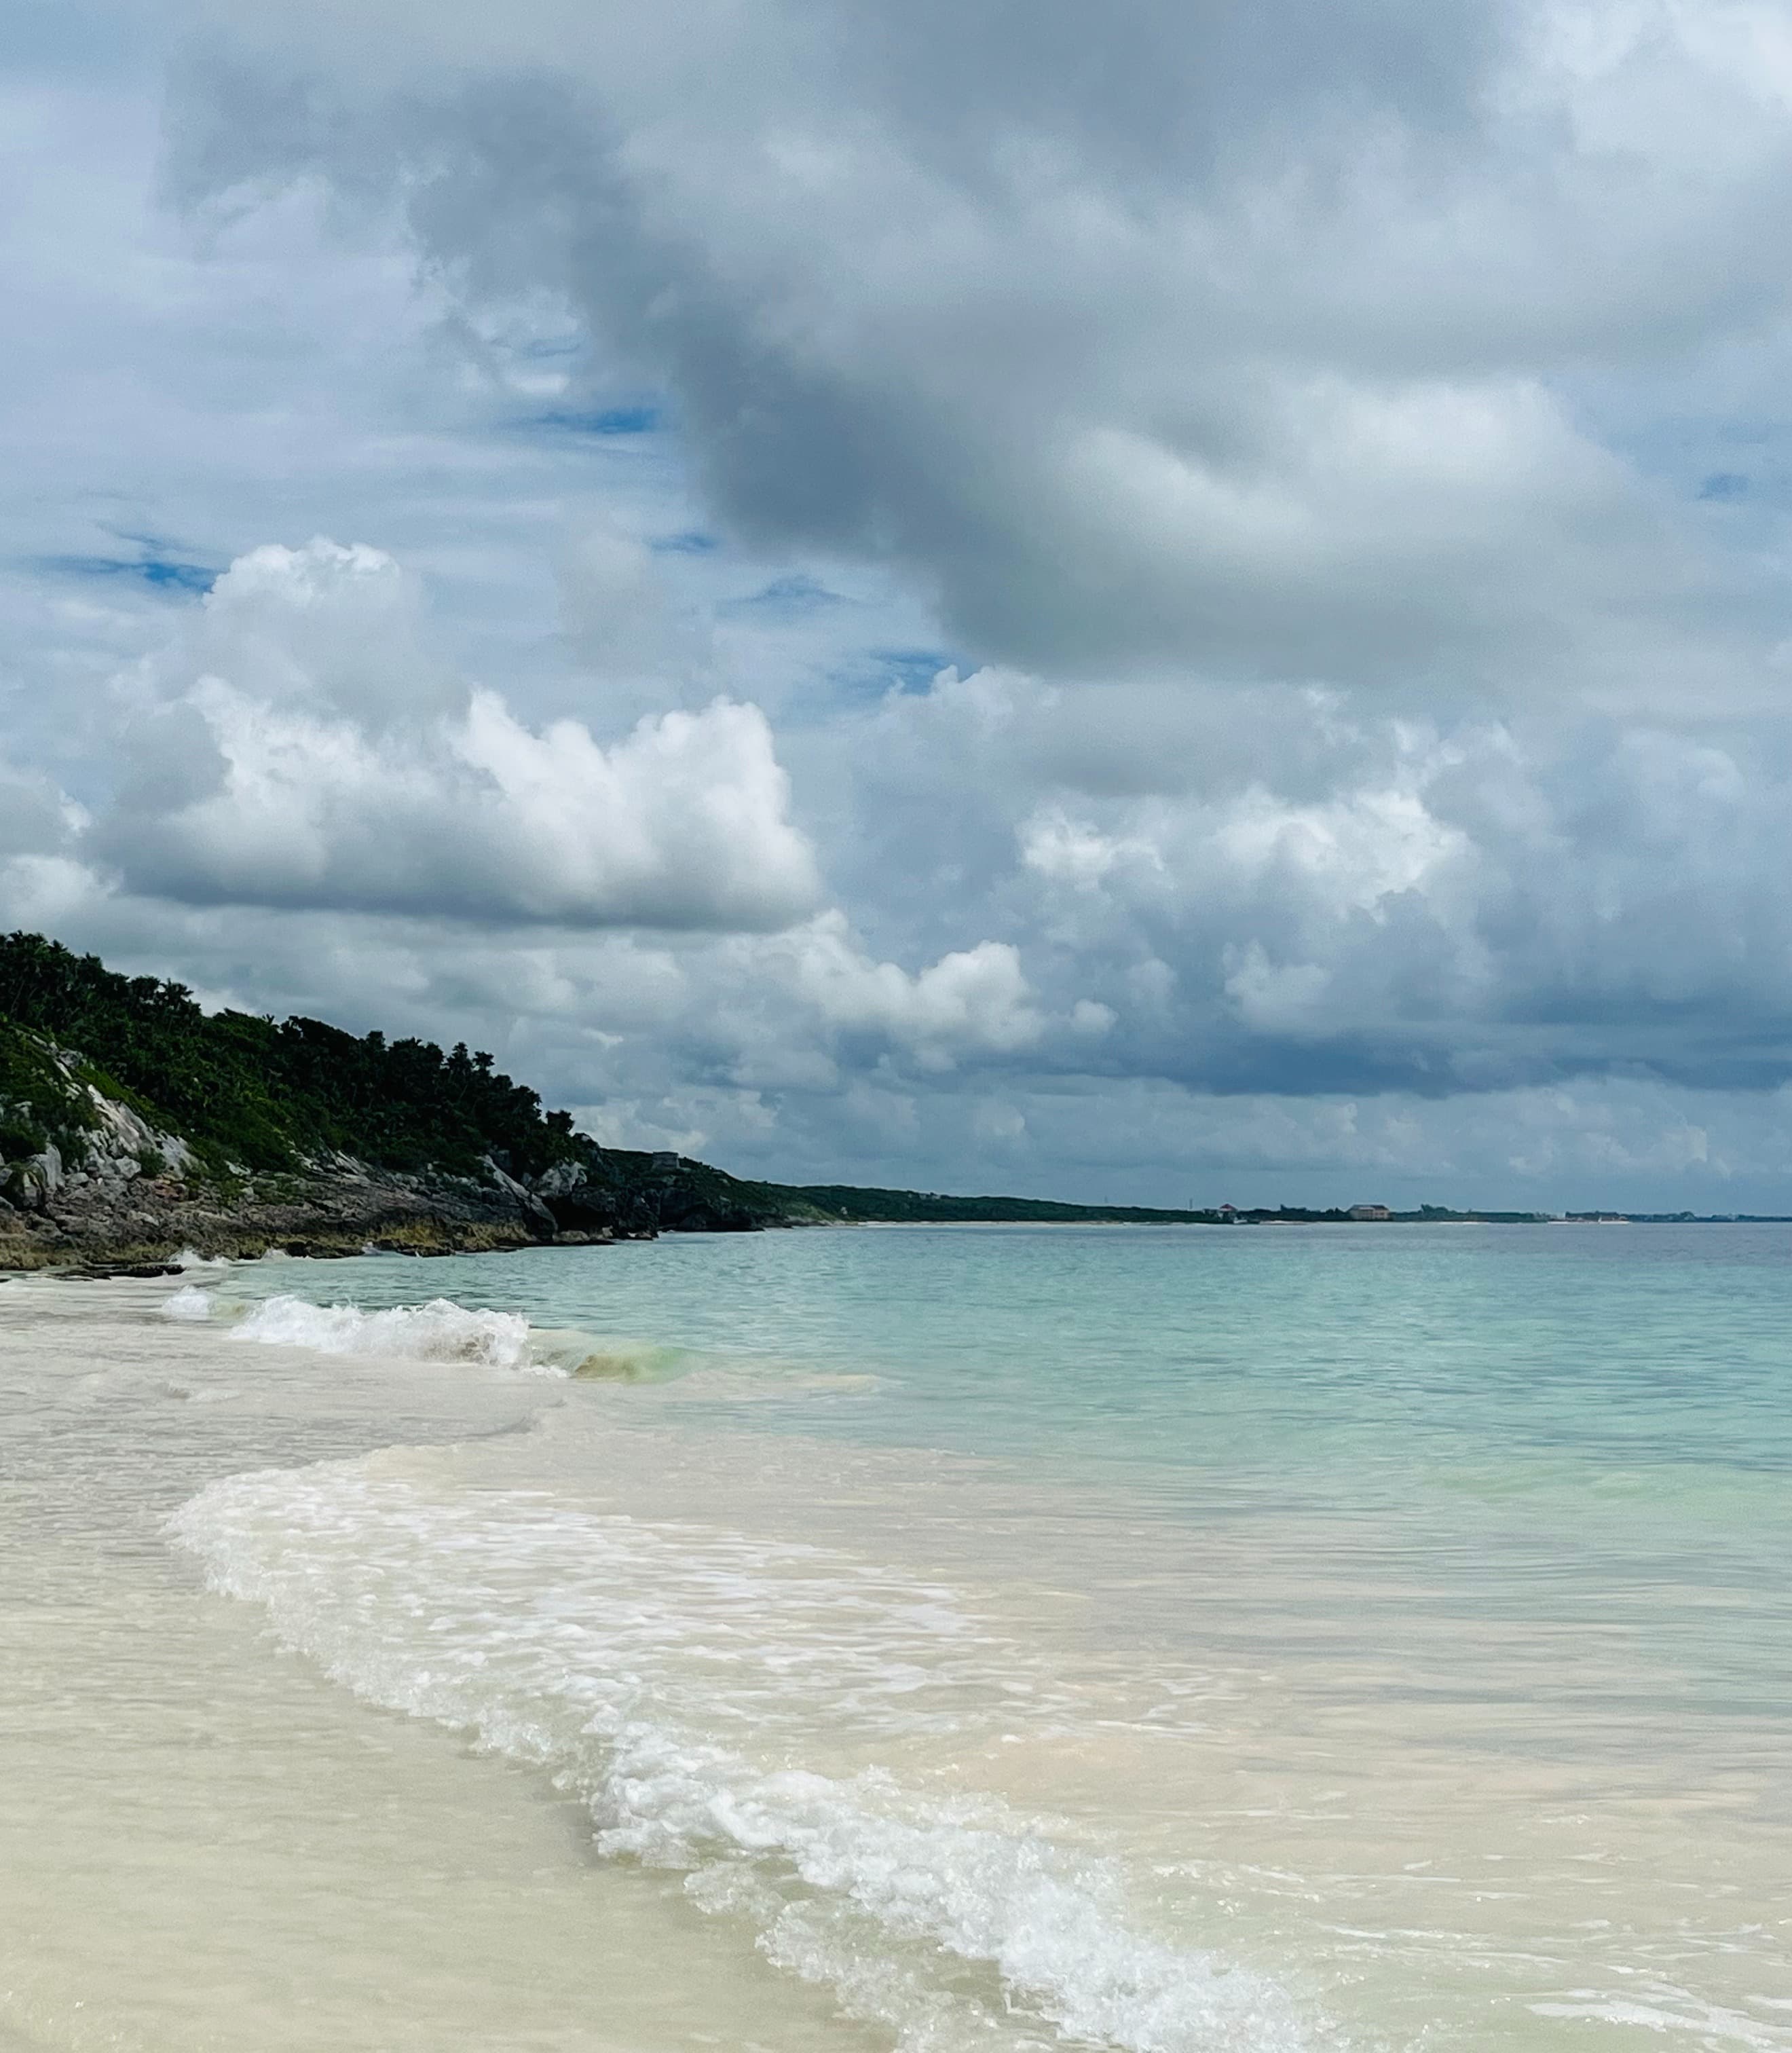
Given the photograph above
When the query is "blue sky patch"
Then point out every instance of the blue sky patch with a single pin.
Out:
(787, 598)
(606, 421)
(877, 672)
(911, 669)
(160, 573)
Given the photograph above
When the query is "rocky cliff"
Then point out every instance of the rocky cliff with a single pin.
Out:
(134, 1124)
(87, 1179)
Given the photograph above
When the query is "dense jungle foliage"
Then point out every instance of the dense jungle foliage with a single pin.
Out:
(261, 1093)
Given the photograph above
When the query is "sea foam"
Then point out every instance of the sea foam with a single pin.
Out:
(439, 1331)
(695, 1690)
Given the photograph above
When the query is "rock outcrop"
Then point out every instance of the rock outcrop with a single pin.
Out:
(113, 1189)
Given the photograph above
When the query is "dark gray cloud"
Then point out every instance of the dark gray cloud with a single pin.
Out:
(1213, 339)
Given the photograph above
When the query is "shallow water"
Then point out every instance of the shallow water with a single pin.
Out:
(1162, 1639)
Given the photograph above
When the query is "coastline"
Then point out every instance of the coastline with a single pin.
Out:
(529, 1902)
(358, 1214)
(94, 1180)
(206, 1843)
(900, 1640)
(585, 1888)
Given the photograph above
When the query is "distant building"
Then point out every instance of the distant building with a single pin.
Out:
(1229, 1214)
(1370, 1212)
(665, 1158)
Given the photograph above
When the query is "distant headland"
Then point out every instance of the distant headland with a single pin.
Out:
(134, 1124)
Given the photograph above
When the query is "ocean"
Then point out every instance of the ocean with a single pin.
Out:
(1347, 1639)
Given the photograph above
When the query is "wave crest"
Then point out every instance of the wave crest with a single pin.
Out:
(439, 1331)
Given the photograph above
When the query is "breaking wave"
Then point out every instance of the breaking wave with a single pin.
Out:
(444, 1331)
(713, 1702)
(439, 1331)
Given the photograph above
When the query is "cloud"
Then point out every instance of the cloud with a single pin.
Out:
(1317, 897)
(1261, 347)
(971, 999)
(320, 759)
(939, 607)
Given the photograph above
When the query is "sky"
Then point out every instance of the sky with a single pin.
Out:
(1173, 603)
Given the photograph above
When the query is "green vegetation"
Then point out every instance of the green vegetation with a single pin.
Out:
(266, 1098)
(846, 1202)
(38, 1103)
(251, 1093)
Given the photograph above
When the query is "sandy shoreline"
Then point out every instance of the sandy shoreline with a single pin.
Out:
(202, 1842)
(855, 1738)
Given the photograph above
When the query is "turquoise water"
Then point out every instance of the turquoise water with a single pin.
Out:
(1400, 1616)
(1632, 1386)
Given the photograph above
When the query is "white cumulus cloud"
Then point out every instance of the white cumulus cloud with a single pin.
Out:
(320, 759)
